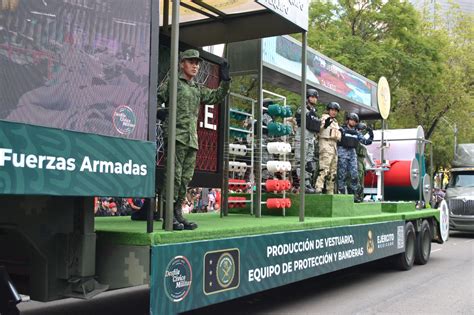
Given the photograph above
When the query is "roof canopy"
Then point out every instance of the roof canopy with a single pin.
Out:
(210, 22)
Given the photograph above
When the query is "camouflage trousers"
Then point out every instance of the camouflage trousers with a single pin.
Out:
(361, 170)
(347, 165)
(311, 149)
(327, 165)
(185, 162)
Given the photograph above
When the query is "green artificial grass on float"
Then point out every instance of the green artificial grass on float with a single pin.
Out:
(122, 230)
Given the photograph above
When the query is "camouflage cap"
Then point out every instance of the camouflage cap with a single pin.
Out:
(190, 54)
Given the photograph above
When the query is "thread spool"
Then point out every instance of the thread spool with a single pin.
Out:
(232, 166)
(274, 110)
(273, 185)
(235, 184)
(274, 128)
(273, 203)
(238, 149)
(242, 167)
(278, 148)
(286, 166)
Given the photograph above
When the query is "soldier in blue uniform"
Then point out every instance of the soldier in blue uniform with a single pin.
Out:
(347, 157)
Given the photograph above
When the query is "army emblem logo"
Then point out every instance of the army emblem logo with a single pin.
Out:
(370, 243)
(178, 278)
(225, 270)
(221, 271)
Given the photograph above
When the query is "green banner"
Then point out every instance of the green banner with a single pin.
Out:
(186, 276)
(45, 161)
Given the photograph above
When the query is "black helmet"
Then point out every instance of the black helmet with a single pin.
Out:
(361, 126)
(353, 116)
(333, 105)
(312, 92)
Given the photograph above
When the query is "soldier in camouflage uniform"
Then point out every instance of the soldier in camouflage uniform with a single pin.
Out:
(347, 157)
(313, 125)
(328, 137)
(190, 96)
(361, 152)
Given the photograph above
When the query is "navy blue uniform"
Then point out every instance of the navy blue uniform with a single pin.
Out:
(347, 158)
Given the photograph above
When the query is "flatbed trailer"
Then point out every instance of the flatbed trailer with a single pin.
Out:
(237, 255)
(84, 123)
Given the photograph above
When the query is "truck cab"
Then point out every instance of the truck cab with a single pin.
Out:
(460, 190)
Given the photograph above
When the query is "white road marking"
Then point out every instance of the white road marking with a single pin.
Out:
(468, 241)
(435, 250)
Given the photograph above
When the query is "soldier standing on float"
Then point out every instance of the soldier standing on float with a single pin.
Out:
(328, 137)
(313, 125)
(361, 152)
(347, 157)
(190, 96)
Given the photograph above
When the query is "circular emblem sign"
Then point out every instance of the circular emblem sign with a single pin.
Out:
(124, 120)
(370, 243)
(225, 270)
(383, 97)
(178, 278)
(444, 220)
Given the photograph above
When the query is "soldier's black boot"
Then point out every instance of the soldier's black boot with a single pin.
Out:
(308, 189)
(176, 225)
(178, 214)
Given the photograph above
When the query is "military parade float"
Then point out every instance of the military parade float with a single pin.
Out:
(78, 103)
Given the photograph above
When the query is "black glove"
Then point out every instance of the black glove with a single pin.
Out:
(370, 132)
(161, 113)
(224, 70)
(298, 119)
(327, 122)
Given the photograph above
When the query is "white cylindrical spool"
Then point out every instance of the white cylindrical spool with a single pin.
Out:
(233, 166)
(398, 148)
(243, 167)
(272, 166)
(272, 147)
(238, 149)
(232, 148)
(278, 148)
(286, 166)
(243, 150)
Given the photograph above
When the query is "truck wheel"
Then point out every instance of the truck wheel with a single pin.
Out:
(423, 244)
(404, 261)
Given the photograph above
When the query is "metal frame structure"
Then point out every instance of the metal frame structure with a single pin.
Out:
(271, 24)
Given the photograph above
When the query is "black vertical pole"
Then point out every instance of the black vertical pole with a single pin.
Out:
(303, 123)
(153, 82)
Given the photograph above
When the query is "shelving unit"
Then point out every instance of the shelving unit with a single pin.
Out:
(276, 144)
(239, 146)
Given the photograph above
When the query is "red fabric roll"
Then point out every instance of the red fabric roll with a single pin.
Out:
(397, 176)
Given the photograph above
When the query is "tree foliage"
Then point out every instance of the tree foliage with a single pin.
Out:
(427, 58)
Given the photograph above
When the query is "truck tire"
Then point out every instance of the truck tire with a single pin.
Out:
(423, 244)
(405, 260)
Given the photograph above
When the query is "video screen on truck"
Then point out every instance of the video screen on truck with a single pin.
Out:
(80, 65)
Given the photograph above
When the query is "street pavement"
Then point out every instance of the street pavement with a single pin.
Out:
(444, 286)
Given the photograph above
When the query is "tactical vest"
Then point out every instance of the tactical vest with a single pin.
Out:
(349, 139)
(313, 123)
